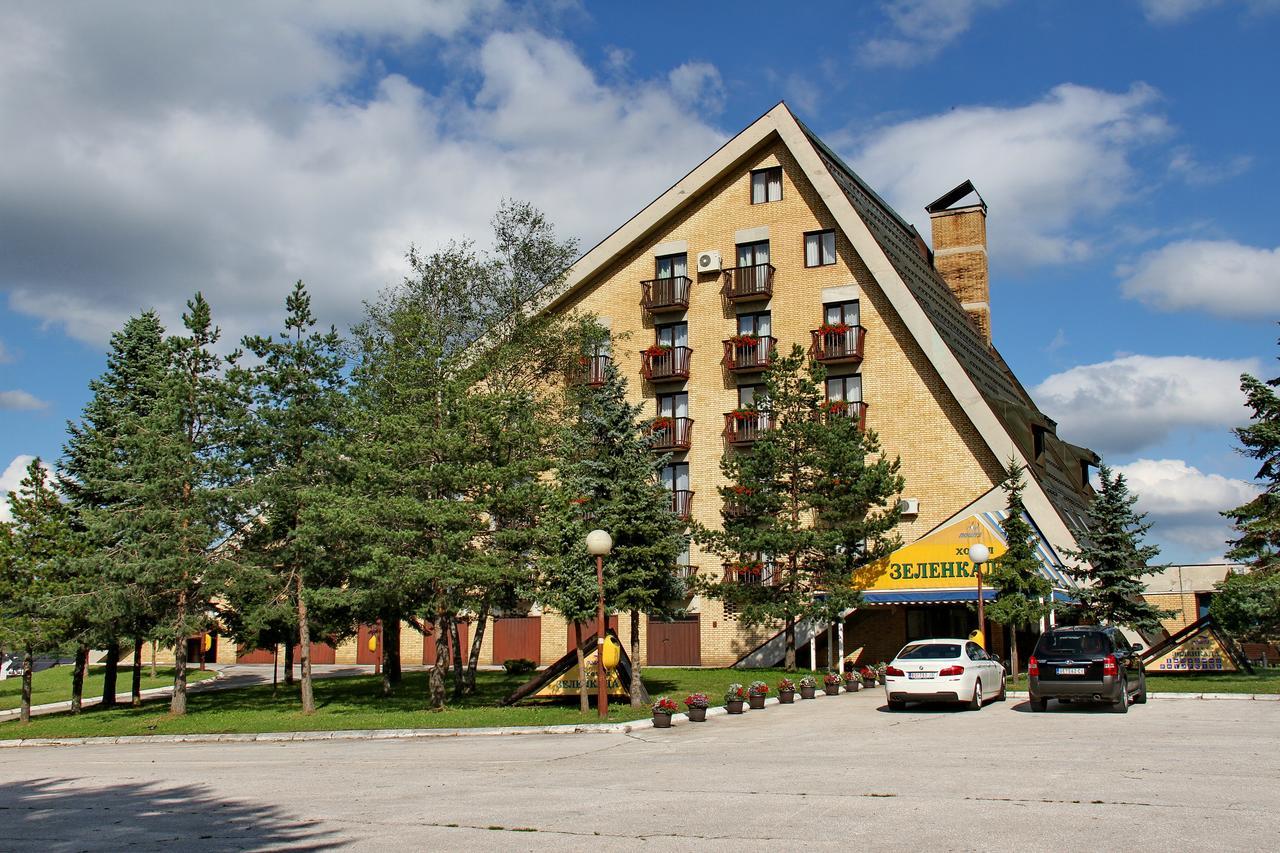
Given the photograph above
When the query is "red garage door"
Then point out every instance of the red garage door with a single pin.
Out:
(256, 656)
(677, 643)
(517, 637)
(364, 656)
(320, 653)
(429, 644)
(588, 630)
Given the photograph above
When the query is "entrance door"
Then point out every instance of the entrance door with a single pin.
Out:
(516, 637)
(675, 643)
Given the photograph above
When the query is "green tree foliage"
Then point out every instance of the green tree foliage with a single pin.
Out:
(36, 555)
(1024, 596)
(1247, 605)
(96, 472)
(1112, 560)
(294, 392)
(808, 507)
(607, 478)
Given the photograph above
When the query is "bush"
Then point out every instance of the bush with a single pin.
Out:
(519, 666)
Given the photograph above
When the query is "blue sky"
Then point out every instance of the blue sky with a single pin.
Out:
(1125, 148)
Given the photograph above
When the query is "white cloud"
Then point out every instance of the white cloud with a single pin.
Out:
(1184, 165)
(698, 84)
(1049, 170)
(21, 401)
(1184, 504)
(921, 29)
(1176, 11)
(237, 172)
(9, 482)
(1136, 401)
(1218, 276)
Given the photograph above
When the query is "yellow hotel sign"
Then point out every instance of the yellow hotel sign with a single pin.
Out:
(938, 561)
(567, 684)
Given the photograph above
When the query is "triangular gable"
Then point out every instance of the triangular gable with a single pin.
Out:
(1199, 647)
(957, 377)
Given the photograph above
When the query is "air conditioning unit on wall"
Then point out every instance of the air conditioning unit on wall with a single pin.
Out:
(708, 262)
(909, 506)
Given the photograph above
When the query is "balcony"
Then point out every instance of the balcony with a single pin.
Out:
(665, 294)
(837, 344)
(665, 364)
(750, 574)
(735, 509)
(682, 503)
(685, 572)
(748, 284)
(592, 370)
(841, 409)
(671, 434)
(743, 427)
(748, 353)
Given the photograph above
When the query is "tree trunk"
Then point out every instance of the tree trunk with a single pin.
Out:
(455, 655)
(584, 699)
(275, 668)
(1013, 650)
(473, 660)
(304, 650)
(391, 639)
(435, 679)
(77, 678)
(789, 662)
(637, 686)
(135, 687)
(384, 650)
(288, 662)
(178, 702)
(27, 666)
(110, 673)
(154, 644)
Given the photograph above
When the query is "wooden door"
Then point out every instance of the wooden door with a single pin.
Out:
(516, 637)
(364, 657)
(676, 643)
(267, 655)
(429, 644)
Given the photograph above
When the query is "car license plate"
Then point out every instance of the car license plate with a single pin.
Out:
(1070, 670)
(920, 675)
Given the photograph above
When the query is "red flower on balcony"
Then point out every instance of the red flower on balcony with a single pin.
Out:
(833, 328)
(741, 490)
(657, 349)
(741, 415)
(746, 568)
(836, 407)
(662, 423)
(744, 340)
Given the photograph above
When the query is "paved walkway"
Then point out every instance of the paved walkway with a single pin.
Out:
(836, 773)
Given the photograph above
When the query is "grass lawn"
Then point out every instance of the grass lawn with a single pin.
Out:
(54, 684)
(1262, 681)
(357, 703)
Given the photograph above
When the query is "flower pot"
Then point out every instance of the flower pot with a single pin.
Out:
(661, 721)
(807, 692)
(786, 697)
(697, 715)
(868, 682)
(852, 686)
(831, 689)
(735, 707)
(756, 702)
(879, 679)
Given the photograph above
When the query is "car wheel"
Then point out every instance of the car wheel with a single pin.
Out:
(975, 702)
(1039, 705)
(1141, 698)
(1004, 690)
(897, 705)
(1122, 704)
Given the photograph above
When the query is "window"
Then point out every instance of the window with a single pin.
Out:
(671, 266)
(675, 477)
(845, 389)
(1203, 599)
(673, 405)
(672, 334)
(756, 325)
(1037, 442)
(753, 254)
(819, 248)
(766, 185)
(835, 313)
(749, 395)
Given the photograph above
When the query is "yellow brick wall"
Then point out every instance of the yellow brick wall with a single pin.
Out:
(944, 461)
(1182, 604)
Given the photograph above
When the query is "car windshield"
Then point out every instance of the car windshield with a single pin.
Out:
(1075, 642)
(930, 651)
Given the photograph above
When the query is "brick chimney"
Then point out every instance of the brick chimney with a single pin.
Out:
(959, 223)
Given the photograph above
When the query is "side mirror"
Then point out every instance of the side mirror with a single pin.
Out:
(1137, 647)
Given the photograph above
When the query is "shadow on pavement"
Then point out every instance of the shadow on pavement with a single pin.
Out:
(67, 814)
(1056, 707)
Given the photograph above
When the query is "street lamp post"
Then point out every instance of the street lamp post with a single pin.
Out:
(979, 553)
(600, 543)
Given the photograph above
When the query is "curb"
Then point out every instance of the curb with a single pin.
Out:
(379, 734)
(1247, 697)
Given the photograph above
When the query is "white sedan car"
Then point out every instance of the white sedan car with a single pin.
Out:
(943, 671)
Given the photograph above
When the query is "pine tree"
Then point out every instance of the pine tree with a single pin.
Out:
(37, 551)
(1023, 595)
(807, 508)
(1112, 560)
(296, 393)
(95, 468)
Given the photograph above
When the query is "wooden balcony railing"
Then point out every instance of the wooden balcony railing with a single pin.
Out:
(750, 573)
(682, 503)
(744, 284)
(591, 370)
(665, 365)
(743, 428)
(735, 509)
(671, 433)
(748, 354)
(838, 347)
(665, 294)
(685, 572)
(842, 409)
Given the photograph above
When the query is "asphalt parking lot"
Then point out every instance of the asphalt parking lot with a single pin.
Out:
(831, 773)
